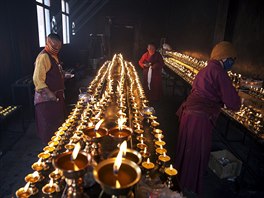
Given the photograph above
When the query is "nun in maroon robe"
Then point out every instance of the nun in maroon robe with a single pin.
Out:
(152, 63)
(211, 90)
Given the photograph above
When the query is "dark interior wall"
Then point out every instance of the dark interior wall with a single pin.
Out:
(18, 38)
(141, 20)
(191, 26)
(248, 37)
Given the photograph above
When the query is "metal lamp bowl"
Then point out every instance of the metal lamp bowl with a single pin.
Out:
(103, 174)
(131, 154)
(64, 163)
(90, 135)
(125, 131)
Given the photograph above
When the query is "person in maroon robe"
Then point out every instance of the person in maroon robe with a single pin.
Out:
(152, 63)
(48, 79)
(212, 89)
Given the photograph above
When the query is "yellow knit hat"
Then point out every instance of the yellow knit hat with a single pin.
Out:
(223, 50)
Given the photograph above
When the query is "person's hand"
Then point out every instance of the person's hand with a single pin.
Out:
(50, 94)
(147, 64)
(68, 75)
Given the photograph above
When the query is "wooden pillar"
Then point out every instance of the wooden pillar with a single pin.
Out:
(221, 21)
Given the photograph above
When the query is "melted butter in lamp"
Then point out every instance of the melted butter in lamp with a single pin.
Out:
(171, 171)
(78, 164)
(160, 142)
(49, 188)
(49, 149)
(145, 153)
(32, 178)
(161, 150)
(164, 157)
(141, 145)
(37, 166)
(148, 165)
(44, 155)
(139, 131)
(24, 192)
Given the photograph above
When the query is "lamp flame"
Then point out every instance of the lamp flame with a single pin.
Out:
(89, 158)
(35, 174)
(98, 124)
(123, 147)
(76, 151)
(98, 114)
(51, 182)
(56, 171)
(148, 161)
(39, 162)
(52, 143)
(118, 161)
(120, 122)
(145, 150)
(26, 186)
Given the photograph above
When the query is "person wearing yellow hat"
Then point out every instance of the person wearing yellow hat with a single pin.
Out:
(211, 90)
(225, 53)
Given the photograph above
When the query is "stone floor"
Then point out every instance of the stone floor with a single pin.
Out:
(20, 149)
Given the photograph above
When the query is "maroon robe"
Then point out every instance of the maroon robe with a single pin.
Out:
(156, 60)
(211, 89)
(50, 114)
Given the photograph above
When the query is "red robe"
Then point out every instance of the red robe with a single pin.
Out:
(211, 89)
(156, 60)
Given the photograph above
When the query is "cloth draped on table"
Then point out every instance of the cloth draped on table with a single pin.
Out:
(210, 90)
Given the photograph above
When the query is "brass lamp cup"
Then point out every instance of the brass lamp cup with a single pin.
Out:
(123, 134)
(131, 154)
(22, 193)
(64, 163)
(103, 174)
(90, 134)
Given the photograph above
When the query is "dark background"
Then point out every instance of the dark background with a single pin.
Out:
(127, 26)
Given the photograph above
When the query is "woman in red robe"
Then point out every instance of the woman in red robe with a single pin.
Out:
(211, 90)
(152, 63)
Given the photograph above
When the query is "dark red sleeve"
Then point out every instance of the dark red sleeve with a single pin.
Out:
(229, 94)
(158, 62)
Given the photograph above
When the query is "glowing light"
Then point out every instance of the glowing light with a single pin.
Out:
(76, 151)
